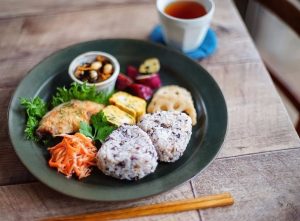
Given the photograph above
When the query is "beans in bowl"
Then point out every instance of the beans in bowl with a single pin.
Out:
(97, 71)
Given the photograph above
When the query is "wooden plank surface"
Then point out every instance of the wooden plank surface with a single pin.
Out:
(27, 40)
(35, 201)
(263, 190)
(257, 120)
(17, 8)
(14, 171)
(265, 186)
(242, 82)
(258, 123)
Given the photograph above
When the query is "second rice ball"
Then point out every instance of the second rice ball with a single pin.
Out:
(170, 132)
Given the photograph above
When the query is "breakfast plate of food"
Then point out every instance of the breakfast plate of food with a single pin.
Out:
(117, 119)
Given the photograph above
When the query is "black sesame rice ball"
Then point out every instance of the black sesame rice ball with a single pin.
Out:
(127, 153)
(170, 132)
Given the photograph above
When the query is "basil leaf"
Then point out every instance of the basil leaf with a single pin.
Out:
(86, 130)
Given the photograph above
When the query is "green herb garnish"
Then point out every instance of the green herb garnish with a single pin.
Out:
(100, 128)
(36, 108)
(79, 92)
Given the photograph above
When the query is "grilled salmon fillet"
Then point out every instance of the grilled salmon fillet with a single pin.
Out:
(66, 117)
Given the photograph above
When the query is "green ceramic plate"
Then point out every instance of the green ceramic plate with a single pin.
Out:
(207, 138)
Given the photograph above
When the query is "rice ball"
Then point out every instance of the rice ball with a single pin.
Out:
(127, 153)
(170, 132)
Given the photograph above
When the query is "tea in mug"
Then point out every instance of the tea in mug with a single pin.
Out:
(185, 9)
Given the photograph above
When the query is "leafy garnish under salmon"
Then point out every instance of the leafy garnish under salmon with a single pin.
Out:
(81, 92)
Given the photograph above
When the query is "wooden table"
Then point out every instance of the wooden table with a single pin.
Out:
(260, 160)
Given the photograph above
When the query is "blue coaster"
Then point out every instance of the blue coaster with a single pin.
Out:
(207, 48)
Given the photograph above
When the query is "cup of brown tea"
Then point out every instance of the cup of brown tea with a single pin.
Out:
(185, 22)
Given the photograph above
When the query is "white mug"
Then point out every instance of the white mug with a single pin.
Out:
(185, 34)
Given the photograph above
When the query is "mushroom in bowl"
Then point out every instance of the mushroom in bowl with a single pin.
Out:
(95, 68)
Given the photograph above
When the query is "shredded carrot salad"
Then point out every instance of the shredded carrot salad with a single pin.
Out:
(74, 154)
